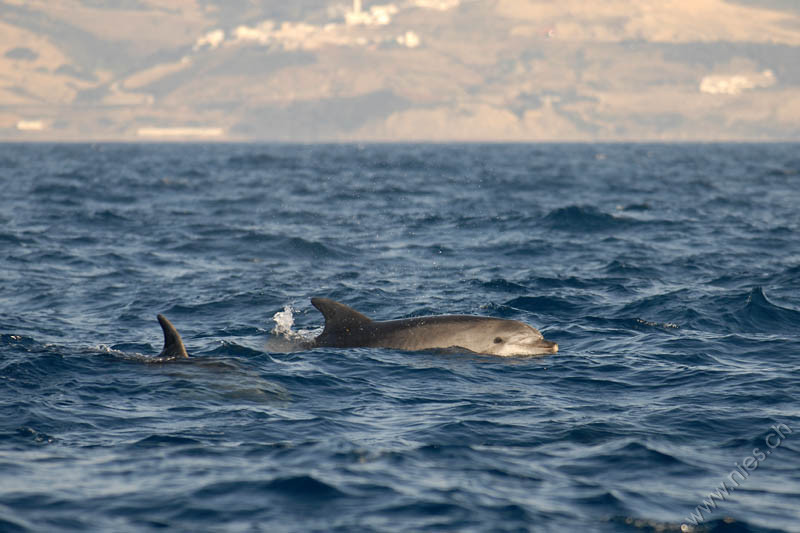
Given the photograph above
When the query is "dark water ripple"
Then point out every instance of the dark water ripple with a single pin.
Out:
(668, 274)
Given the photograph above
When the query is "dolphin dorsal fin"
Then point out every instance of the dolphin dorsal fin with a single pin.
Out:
(173, 345)
(338, 317)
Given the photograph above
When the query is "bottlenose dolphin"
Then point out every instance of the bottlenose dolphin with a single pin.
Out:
(213, 377)
(173, 344)
(347, 328)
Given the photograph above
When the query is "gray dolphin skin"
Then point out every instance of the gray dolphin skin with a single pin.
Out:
(173, 344)
(347, 328)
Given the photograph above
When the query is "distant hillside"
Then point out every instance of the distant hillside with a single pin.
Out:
(311, 70)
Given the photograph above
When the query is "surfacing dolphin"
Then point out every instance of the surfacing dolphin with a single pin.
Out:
(173, 344)
(347, 328)
(214, 377)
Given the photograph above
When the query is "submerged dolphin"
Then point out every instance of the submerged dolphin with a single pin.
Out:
(173, 344)
(214, 377)
(347, 328)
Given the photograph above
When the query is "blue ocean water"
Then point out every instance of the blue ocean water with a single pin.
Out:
(668, 274)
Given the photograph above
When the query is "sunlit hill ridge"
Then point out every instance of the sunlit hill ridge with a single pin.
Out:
(508, 70)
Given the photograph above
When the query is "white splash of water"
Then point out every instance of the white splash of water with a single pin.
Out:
(284, 338)
(284, 320)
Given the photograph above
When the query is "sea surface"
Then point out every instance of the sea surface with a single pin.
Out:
(667, 273)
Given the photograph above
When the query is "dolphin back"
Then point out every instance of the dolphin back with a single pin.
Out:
(341, 322)
(173, 344)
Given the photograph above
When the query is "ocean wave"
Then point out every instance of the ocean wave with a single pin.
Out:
(759, 314)
(251, 242)
(12, 524)
(22, 341)
(585, 219)
(230, 348)
(546, 304)
(262, 161)
(665, 272)
(164, 441)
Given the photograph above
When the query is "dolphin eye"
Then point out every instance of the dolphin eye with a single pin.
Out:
(498, 340)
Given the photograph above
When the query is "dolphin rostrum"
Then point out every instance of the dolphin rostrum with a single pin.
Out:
(347, 328)
(173, 345)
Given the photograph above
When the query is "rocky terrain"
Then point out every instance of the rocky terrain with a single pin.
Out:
(412, 70)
